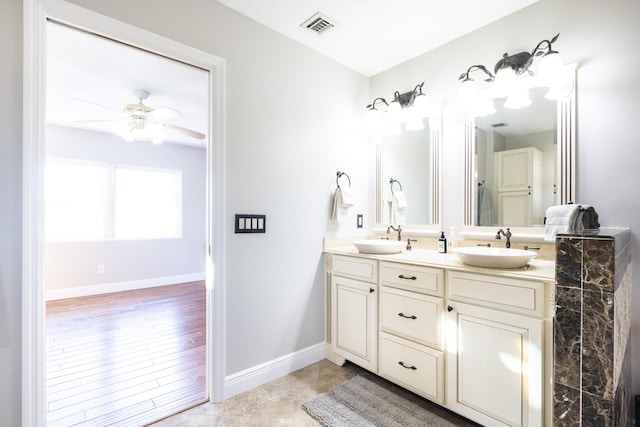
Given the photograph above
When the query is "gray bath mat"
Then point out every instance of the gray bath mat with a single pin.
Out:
(361, 403)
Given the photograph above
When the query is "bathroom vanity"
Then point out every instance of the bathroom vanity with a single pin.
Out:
(477, 341)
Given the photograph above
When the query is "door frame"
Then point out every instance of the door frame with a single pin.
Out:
(36, 15)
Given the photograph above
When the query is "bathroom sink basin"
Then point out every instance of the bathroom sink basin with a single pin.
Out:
(494, 257)
(378, 246)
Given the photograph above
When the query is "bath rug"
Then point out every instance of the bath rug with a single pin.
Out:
(360, 402)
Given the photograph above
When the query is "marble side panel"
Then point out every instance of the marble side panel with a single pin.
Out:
(567, 345)
(597, 412)
(623, 399)
(622, 328)
(566, 406)
(597, 343)
(568, 262)
(598, 264)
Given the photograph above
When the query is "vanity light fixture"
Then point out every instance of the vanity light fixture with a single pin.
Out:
(509, 68)
(409, 107)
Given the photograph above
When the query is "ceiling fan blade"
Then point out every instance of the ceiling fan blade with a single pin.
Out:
(185, 131)
(94, 103)
(94, 121)
(163, 114)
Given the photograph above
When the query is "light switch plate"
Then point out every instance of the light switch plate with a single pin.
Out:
(359, 221)
(247, 223)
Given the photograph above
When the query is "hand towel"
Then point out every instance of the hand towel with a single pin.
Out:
(401, 200)
(589, 217)
(342, 202)
(561, 219)
(347, 199)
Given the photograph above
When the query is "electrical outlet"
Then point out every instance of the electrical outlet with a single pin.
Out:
(100, 268)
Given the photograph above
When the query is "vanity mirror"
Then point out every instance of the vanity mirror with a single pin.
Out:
(408, 165)
(520, 161)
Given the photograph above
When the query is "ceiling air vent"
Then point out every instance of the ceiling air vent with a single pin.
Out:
(499, 125)
(318, 23)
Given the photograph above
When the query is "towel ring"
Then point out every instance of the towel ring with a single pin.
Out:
(391, 182)
(339, 175)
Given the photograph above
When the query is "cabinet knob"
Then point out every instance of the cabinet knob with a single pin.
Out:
(449, 308)
(371, 290)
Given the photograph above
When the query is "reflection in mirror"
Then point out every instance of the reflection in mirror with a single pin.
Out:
(413, 159)
(515, 163)
(518, 162)
(405, 177)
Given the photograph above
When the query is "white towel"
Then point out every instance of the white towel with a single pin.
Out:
(401, 200)
(398, 205)
(341, 205)
(347, 199)
(562, 219)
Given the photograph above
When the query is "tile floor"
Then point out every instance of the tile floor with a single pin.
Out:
(277, 403)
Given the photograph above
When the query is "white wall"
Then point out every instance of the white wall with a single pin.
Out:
(10, 213)
(602, 39)
(74, 264)
(293, 120)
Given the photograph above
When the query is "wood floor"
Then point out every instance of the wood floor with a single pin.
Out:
(126, 358)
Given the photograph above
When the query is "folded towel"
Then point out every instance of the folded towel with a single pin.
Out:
(589, 217)
(400, 199)
(562, 219)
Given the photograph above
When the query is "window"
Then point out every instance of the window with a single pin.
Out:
(96, 201)
(147, 203)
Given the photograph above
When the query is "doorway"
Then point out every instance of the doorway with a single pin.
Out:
(38, 12)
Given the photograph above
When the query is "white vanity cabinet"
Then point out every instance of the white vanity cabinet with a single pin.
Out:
(472, 340)
(496, 349)
(354, 309)
(411, 345)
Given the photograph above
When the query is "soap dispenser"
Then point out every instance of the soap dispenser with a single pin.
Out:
(442, 243)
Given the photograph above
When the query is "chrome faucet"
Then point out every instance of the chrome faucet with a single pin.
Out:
(507, 235)
(399, 230)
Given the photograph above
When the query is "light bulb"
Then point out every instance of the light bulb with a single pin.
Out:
(505, 78)
(550, 68)
(467, 90)
(421, 105)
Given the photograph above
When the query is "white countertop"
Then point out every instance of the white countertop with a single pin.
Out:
(537, 269)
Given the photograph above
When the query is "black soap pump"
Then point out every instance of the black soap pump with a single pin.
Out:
(442, 243)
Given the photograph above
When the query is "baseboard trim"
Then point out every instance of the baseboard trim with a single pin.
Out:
(274, 369)
(83, 291)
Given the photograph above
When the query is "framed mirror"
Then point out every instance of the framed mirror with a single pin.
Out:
(408, 179)
(518, 162)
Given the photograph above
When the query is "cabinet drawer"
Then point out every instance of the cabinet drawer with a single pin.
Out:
(355, 268)
(411, 315)
(413, 366)
(519, 296)
(412, 277)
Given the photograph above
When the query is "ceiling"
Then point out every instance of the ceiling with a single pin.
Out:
(83, 86)
(371, 36)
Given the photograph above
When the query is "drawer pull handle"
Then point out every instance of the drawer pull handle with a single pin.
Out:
(401, 363)
(407, 317)
(449, 308)
(402, 276)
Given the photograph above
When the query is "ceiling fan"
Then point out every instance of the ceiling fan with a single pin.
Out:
(139, 122)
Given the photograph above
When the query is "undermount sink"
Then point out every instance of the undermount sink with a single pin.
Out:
(378, 246)
(482, 256)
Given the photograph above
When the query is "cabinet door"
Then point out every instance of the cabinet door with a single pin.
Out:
(494, 366)
(514, 208)
(354, 313)
(514, 169)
